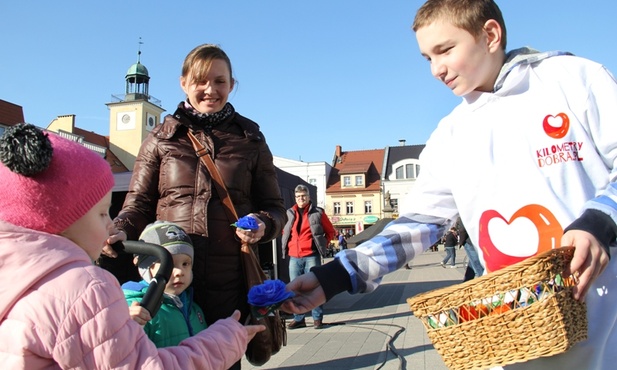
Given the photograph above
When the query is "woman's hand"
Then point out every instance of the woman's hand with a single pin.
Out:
(252, 236)
(308, 294)
(588, 262)
(115, 236)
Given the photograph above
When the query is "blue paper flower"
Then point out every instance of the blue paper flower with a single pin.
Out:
(246, 223)
(267, 298)
(269, 293)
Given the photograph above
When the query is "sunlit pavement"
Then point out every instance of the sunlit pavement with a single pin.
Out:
(372, 331)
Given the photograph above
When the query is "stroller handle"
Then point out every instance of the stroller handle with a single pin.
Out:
(153, 298)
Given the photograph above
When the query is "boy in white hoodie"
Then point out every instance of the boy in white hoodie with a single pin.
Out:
(536, 144)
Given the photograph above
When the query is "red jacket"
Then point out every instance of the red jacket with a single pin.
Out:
(315, 234)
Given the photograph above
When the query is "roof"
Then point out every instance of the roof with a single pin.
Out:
(367, 162)
(116, 165)
(356, 168)
(399, 153)
(100, 141)
(137, 69)
(10, 114)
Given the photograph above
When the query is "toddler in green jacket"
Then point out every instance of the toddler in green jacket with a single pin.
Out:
(179, 317)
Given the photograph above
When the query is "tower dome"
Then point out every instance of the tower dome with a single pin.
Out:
(137, 71)
(137, 80)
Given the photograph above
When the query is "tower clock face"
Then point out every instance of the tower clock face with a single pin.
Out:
(125, 121)
(151, 122)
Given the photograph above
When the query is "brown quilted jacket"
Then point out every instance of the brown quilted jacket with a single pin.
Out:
(169, 183)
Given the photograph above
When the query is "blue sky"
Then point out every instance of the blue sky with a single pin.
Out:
(313, 74)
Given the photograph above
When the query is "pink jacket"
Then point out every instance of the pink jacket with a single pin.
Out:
(58, 310)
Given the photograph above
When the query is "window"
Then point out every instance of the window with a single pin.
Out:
(346, 180)
(412, 171)
(359, 181)
(407, 169)
(409, 173)
(399, 173)
(368, 206)
(337, 208)
(349, 207)
(313, 181)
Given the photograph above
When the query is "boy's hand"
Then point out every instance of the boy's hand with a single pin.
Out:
(309, 294)
(589, 260)
(251, 330)
(139, 314)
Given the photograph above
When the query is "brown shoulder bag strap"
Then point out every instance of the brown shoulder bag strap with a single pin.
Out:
(204, 155)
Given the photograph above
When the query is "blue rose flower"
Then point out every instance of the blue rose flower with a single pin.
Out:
(271, 292)
(246, 223)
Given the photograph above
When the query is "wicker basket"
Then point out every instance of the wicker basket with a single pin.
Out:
(471, 327)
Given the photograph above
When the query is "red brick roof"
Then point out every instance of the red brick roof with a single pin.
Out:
(361, 167)
(10, 114)
(94, 138)
(367, 162)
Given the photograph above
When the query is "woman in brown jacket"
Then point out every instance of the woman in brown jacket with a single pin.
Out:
(170, 183)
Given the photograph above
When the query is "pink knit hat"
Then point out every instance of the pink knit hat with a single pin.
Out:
(48, 182)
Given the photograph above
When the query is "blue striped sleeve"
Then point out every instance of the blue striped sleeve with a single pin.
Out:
(388, 251)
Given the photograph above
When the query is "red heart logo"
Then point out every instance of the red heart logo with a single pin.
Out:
(549, 232)
(556, 132)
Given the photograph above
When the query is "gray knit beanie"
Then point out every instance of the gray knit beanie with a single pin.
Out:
(168, 235)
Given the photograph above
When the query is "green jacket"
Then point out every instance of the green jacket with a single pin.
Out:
(172, 324)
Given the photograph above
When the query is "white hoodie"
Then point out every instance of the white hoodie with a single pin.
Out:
(521, 164)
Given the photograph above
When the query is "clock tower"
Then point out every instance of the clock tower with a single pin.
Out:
(132, 115)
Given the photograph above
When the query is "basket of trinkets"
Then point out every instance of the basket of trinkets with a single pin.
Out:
(521, 312)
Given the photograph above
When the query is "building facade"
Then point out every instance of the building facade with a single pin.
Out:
(366, 186)
(353, 195)
(401, 167)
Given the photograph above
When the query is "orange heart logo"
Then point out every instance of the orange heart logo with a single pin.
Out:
(549, 232)
(556, 132)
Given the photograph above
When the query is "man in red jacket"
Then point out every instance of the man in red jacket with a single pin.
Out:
(305, 240)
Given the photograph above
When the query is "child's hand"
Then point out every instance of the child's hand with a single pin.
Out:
(139, 314)
(308, 294)
(252, 236)
(251, 330)
(115, 236)
(589, 259)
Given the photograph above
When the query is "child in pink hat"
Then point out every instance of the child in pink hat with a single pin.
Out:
(57, 309)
